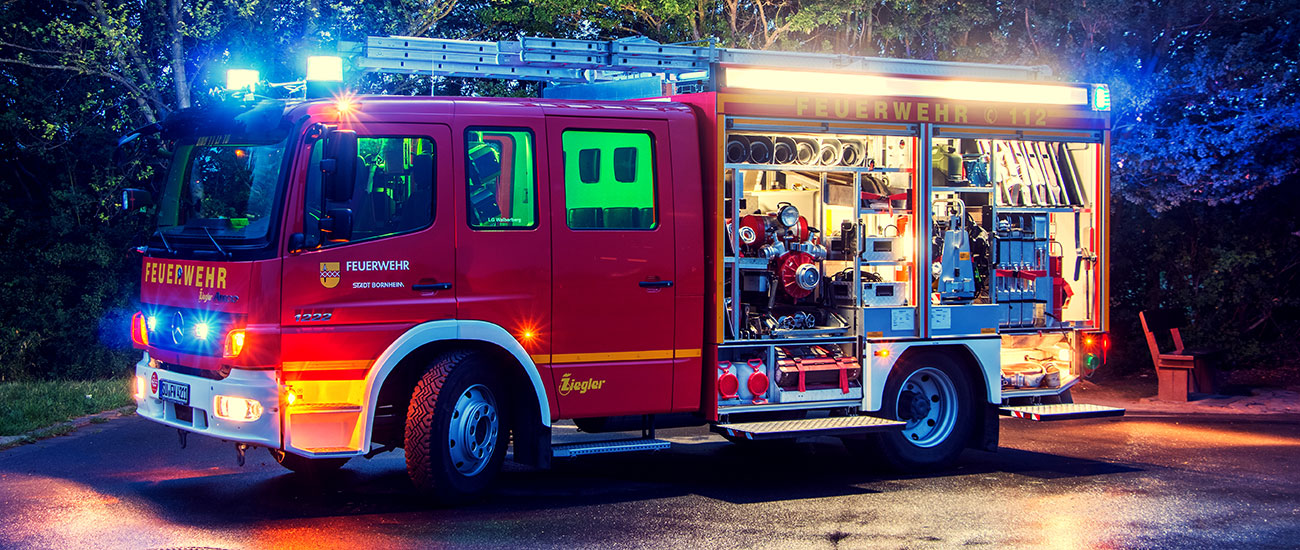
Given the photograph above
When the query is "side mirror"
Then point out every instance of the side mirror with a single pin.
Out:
(135, 199)
(338, 165)
(338, 226)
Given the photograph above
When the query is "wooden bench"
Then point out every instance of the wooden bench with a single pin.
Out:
(1179, 370)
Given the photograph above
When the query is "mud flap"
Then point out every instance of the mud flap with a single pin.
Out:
(532, 446)
(985, 435)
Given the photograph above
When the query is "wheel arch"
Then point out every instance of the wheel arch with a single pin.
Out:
(982, 364)
(981, 358)
(398, 367)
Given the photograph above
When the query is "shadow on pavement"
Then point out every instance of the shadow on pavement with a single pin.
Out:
(806, 469)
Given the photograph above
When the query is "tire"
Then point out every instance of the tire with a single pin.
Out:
(456, 435)
(938, 426)
(308, 466)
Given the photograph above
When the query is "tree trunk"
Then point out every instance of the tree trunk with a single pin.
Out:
(178, 54)
(140, 99)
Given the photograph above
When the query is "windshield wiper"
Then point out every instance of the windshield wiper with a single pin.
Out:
(163, 237)
(220, 250)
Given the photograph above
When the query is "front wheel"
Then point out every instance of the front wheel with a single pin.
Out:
(933, 395)
(456, 435)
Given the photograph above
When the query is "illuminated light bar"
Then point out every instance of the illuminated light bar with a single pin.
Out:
(1101, 97)
(325, 67)
(782, 80)
(237, 409)
(242, 79)
(324, 76)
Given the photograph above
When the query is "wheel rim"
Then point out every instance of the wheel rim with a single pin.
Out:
(927, 401)
(475, 422)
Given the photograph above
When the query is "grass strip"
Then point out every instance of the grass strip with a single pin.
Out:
(27, 406)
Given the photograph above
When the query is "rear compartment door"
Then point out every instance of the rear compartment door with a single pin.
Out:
(345, 302)
(613, 265)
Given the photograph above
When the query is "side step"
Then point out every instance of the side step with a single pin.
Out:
(601, 447)
(834, 426)
(1064, 411)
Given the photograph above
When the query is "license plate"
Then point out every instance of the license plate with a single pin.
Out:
(175, 392)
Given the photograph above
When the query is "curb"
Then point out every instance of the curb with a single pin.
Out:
(63, 428)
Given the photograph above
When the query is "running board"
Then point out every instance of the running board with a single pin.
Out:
(566, 450)
(785, 429)
(1064, 411)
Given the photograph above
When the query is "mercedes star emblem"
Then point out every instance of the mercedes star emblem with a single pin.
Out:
(178, 328)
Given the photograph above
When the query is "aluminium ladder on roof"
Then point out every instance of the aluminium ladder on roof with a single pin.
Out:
(573, 61)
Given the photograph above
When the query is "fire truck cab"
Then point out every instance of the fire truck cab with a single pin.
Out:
(894, 254)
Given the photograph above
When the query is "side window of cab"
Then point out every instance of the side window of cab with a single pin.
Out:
(500, 178)
(609, 180)
(392, 189)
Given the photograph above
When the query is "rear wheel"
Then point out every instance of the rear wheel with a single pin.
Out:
(308, 466)
(456, 436)
(934, 396)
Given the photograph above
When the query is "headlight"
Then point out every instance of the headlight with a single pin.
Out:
(788, 216)
(237, 409)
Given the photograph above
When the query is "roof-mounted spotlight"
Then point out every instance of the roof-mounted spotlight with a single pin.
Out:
(324, 76)
(242, 79)
(1100, 97)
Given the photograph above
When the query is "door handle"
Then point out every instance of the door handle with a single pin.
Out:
(655, 284)
(431, 287)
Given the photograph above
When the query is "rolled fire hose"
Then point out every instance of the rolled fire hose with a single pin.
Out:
(784, 151)
(829, 152)
(737, 149)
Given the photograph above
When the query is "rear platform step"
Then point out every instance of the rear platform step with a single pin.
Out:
(1064, 411)
(834, 426)
(601, 447)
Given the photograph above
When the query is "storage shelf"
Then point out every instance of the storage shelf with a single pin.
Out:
(809, 168)
(1067, 381)
(784, 342)
(1036, 209)
(885, 211)
(746, 263)
(963, 189)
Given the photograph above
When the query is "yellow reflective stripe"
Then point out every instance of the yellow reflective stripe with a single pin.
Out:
(615, 356)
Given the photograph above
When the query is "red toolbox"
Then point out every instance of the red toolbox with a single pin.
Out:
(815, 367)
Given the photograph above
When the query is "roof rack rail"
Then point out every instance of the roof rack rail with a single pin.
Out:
(627, 67)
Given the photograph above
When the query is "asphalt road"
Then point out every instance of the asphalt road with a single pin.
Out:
(1136, 482)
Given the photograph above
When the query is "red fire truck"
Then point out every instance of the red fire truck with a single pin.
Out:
(776, 245)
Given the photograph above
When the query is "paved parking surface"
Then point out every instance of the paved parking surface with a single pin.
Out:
(1153, 481)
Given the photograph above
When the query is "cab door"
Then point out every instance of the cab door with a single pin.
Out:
(347, 301)
(613, 258)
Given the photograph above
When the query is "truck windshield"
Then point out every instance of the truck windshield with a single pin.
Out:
(221, 191)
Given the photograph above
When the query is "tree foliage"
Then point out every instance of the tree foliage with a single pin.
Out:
(1205, 119)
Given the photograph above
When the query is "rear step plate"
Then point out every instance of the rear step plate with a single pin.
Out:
(1064, 411)
(834, 426)
(601, 447)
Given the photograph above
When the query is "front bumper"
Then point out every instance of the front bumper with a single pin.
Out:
(199, 418)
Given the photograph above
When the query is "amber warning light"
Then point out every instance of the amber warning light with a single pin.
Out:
(140, 329)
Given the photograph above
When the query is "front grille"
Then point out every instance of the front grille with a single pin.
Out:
(218, 374)
(174, 329)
